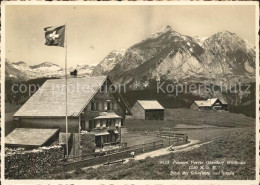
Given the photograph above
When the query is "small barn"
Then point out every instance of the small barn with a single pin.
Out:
(210, 104)
(147, 110)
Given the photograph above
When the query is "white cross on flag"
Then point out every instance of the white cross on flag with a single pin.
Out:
(55, 36)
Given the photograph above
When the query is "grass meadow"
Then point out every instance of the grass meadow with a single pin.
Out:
(236, 146)
(231, 137)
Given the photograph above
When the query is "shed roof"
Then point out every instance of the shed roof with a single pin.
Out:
(32, 137)
(150, 104)
(49, 100)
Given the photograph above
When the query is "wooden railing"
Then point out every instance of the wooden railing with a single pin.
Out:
(125, 153)
(174, 138)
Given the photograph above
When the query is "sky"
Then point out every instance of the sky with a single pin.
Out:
(94, 31)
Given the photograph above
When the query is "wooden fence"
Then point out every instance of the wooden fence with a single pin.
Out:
(125, 153)
(174, 138)
(158, 129)
(107, 157)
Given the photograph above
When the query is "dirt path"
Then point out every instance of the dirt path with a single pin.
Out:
(163, 151)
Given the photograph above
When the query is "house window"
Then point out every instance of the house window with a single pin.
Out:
(95, 123)
(82, 125)
(103, 88)
(109, 123)
(91, 124)
(94, 106)
(109, 106)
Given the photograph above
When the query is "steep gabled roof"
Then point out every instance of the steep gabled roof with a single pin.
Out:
(212, 100)
(203, 103)
(150, 104)
(49, 100)
(223, 101)
(208, 102)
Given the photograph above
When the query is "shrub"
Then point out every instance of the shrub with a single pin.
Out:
(78, 171)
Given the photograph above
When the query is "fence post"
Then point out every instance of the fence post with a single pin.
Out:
(143, 147)
(64, 167)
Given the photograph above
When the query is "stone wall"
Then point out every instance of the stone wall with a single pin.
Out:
(33, 164)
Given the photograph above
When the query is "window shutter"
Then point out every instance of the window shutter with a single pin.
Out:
(96, 108)
(97, 123)
(101, 123)
(115, 106)
(105, 105)
(100, 106)
(89, 107)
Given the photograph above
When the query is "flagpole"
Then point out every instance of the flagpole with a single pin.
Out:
(66, 92)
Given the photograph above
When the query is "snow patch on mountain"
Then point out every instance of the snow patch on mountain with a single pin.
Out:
(83, 69)
(199, 40)
(248, 68)
(46, 69)
(249, 45)
(109, 62)
(160, 32)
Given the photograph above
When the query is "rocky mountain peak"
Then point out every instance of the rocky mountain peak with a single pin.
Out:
(167, 54)
(162, 31)
(167, 28)
(19, 63)
(45, 64)
(226, 53)
(108, 63)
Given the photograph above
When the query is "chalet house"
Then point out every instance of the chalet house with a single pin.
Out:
(91, 106)
(147, 110)
(210, 104)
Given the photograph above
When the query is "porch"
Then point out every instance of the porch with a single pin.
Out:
(105, 137)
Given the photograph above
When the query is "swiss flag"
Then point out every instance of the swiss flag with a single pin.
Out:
(55, 36)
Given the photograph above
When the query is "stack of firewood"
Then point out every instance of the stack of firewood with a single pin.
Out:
(33, 164)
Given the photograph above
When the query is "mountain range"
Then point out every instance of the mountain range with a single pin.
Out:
(165, 56)
(224, 57)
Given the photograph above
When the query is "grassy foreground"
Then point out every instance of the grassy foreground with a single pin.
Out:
(239, 146)
(192, 118)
